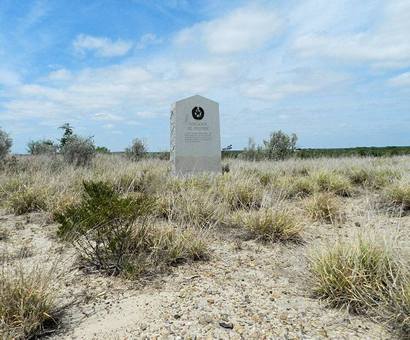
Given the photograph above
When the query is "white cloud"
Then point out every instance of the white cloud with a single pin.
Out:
(385, 43)
(102, 47)
(148, 39)
(106, 116)
(147, 114)
(9, 78)
(401, 80)
(244, 29)
(61, 74)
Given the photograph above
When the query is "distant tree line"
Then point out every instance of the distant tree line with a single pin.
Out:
(79, 150)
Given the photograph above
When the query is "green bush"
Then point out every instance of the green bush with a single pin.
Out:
(137, 150)
(101, 207)
(78, 150)
(5, 145)
(280, 145)
(113, 234)
(42, 147)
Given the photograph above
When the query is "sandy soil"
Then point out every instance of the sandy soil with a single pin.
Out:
(247, 290)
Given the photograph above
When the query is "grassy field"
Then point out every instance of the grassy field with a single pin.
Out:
(299, 248)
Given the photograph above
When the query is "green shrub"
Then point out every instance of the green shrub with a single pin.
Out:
(27, 303)
(270, 224)
(102, 150)
(113, 234)
(78, 150)
(27, 199)
(5, 145)
(324, 207)
(101, 206)
(137, 150)
(42, 147)
(280, 145)
(358, 274)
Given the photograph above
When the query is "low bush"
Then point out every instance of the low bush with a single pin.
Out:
(100, 208)
(5, 145)
(358, 274)
(270, 224)
(27, 303)
(42, 147)
(78, 150)
(137, 150)
(113, 234)
(324, 207)
(27, 199)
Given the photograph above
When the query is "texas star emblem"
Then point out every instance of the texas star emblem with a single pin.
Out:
(198, 113)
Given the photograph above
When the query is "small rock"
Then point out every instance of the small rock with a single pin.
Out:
(227, 325)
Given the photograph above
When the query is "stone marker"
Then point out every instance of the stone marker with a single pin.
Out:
(195, 136)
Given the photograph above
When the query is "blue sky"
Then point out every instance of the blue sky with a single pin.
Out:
(337, 73)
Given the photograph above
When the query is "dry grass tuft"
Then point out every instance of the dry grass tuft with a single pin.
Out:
(371, 178)
(270, 224)
(324, 207)
(27, 303)
(27, 199)
(398, 195)
(241, 192)
(356, 274)
(330, 181)
(399, 309)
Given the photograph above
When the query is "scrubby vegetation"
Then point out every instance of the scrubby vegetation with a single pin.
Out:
(137, 150)
(130, 218)
(42, 147)
(5, 144)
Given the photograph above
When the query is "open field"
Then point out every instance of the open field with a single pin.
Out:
(292, 249)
